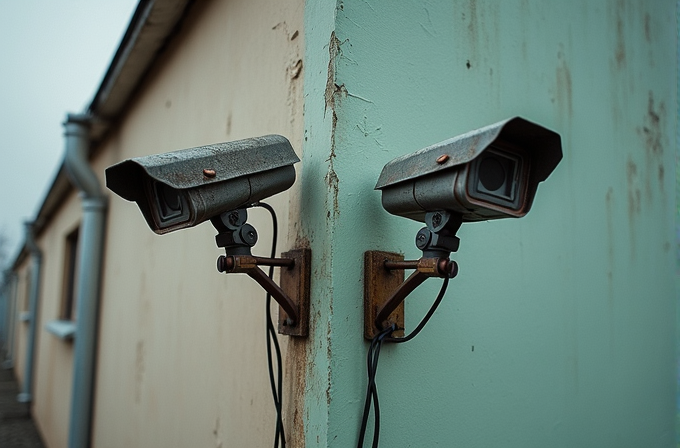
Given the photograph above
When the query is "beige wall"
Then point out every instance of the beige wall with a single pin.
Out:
(54, 356)
(182, 358)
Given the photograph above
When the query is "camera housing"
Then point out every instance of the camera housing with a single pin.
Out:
(489, 173)
(181, 189)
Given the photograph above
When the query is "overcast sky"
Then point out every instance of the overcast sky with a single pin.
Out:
(53, 56)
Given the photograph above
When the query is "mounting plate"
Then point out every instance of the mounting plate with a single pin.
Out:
(379, 284)
(295, 283)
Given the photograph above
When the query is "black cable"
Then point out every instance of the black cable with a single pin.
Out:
(371, 389)
(427, 317)
(372, 367)
(277, 387)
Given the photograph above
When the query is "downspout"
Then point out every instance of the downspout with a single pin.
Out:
(90, 252)
(26, 394)
(11, 317)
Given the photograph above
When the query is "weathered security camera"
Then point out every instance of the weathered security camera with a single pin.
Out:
(489, 173)
(181, 189)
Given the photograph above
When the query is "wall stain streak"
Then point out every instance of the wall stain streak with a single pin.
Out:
(609, 208)
(564, 84)
(139, 370)
(634, 195)
(634, 201)
(216, 433)
(620, 52)
(648, 28)
(296, 366)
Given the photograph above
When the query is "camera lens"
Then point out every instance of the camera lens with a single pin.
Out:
(492, 173)
(170, 197)
(169, 201)
(495, 176)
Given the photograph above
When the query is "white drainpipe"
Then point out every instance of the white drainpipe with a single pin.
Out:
(90, 251)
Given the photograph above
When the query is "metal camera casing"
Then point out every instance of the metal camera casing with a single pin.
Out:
(181, 189)
(489, 173)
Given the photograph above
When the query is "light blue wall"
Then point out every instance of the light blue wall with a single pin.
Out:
(571, 310)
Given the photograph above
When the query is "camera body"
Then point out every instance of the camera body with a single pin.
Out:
(181, 189)
(489, 173)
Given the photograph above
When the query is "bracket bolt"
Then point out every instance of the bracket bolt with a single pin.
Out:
(436, 219)
(225, 263)
(233, 218)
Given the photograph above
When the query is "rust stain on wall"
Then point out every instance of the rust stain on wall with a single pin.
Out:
(296, 370)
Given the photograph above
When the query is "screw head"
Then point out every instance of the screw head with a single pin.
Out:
(436, 219)
(209, 173)
(234, 218)
(442, 159)
(423, 238)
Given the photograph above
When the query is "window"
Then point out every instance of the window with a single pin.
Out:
(68, 302)
(25, 297)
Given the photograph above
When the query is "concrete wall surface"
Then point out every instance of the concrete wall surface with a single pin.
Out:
(559, 329)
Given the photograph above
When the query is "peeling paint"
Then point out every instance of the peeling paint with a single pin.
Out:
(331, 93)
(333, 49)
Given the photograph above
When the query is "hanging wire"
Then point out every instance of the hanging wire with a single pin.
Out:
(427, 317)
(371, 389)
(372, 367)
(276, 385)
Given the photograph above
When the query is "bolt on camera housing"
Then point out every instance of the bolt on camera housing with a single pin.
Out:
(181, 189)
(489, 173)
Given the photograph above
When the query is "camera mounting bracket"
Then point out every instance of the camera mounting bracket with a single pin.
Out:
(384, 287)
(237, 238)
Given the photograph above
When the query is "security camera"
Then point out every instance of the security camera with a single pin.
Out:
(181, 189)
(489, 173)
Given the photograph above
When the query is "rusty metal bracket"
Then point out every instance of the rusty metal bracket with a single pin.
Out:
(385, 288)
(295, 282)
(379, 282)
(293, 294)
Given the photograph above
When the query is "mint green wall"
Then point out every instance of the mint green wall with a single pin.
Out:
(570, 310)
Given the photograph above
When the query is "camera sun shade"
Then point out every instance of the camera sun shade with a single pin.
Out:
(181, 189)
(489, 173)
